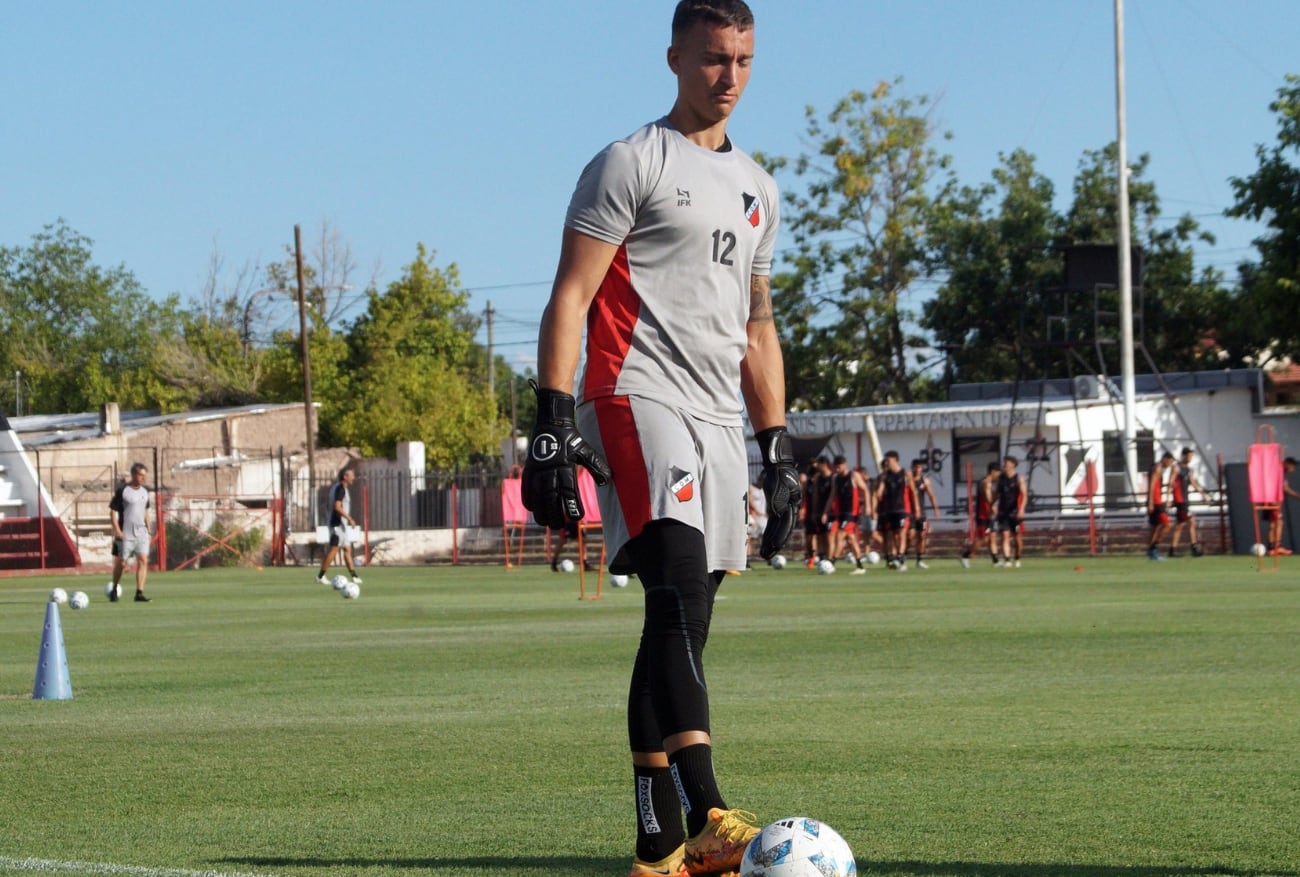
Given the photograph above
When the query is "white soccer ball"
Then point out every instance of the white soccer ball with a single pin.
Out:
(79, 600)
(350, 590)
(873, 557)
(798, 847)
(58, 595)
(777, 561)
(1258, 550)
(618, 580)
(825, 567)
(111, 590)
(339, 582)
(566, 565)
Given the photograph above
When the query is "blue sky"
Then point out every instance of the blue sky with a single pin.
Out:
(169, 131)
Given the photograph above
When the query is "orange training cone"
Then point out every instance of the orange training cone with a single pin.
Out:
(52, 680)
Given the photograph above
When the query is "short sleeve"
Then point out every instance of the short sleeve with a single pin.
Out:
(766, 249)
(608, 195)
(115, 504)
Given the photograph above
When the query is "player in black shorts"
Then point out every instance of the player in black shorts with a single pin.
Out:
(1183, 485)
(1009, 497)
(1159, 492)
(920, 524)
(895, 500)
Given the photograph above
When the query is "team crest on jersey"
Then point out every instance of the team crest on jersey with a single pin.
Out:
(683, 485)
(751, 209)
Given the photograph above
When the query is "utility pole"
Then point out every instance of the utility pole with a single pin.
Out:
(18, 393)
(306, 365)
(1127, 382)
(492, 370)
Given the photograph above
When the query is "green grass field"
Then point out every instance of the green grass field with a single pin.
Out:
(1123, 720)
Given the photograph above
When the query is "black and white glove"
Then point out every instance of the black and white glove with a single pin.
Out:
(550, 488)
(780, 486)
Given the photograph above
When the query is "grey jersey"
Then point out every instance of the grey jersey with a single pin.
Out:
(692, 225)
(132, 507)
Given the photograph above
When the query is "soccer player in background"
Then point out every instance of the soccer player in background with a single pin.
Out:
(819, 495)
(983, 518)
(667, 247)
(128, 512)
(920, 524)
(846, 490)
(1184, 483)
(340, 519)
(1159, 493)
(895, 500)
(1009, 497)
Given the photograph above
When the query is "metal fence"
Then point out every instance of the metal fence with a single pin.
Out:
(395, 500)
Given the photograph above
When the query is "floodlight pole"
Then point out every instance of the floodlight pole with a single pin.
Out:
(1127, 383)
(306, 362)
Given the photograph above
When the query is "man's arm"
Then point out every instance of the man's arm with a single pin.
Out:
(934, 500)
(584, 260)
(762, 371)
(1023, 498)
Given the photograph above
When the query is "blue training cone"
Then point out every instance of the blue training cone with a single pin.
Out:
(52, 680)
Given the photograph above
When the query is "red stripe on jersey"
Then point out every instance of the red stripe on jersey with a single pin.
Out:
(622, 445)
(610, 322)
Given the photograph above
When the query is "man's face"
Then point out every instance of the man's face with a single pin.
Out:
(893, 464)
(1009, 467)
(918, 471)
(139, 477)
(1188, 458)
(712, 64)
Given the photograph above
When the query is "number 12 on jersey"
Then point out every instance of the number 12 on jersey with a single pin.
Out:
(723, 243)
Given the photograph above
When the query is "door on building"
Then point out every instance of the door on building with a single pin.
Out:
(1118, 493)
(978, 451)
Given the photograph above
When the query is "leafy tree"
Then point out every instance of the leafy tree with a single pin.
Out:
(1002, 313)
(81, 334)
(1181, 306)
(860, 236)
(1271, 195)
(995, 244)
(411, 356)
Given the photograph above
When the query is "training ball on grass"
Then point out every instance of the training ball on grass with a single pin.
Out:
(873, 557)
(825, 567)
(566, 565)
(58, 595)
(79, 600)
(777, 561)
(112, 591)
(339, 582)
(1258, 550)
(618, 580)
(350, 591)
(798, 847)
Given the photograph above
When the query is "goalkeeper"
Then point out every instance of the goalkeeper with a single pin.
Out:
(667, 247)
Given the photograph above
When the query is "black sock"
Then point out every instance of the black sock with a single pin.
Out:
(692, 768)
(659, 828)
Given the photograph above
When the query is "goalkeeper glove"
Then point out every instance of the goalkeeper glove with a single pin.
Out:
(780, 482)
(550, 488)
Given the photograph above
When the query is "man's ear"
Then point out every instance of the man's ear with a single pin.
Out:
(674, 57)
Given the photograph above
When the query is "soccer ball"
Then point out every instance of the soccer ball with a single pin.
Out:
(777, 561)
(873, 557)
(340, 582)
(798, 847)
(58, 595)
(79, 600)
(112, 591)
(350, 590)
(566, 565)
(618, 580)
(1258, 550)
(825, 567)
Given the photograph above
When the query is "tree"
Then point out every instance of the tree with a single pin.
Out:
(1181, 307)
(860, 237)
(1271, 195)
(81, 334)
(1002, 312)
(998, 262)
(410, 372)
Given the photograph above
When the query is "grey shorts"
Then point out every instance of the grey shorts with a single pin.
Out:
(132, 544)
(668, 464)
